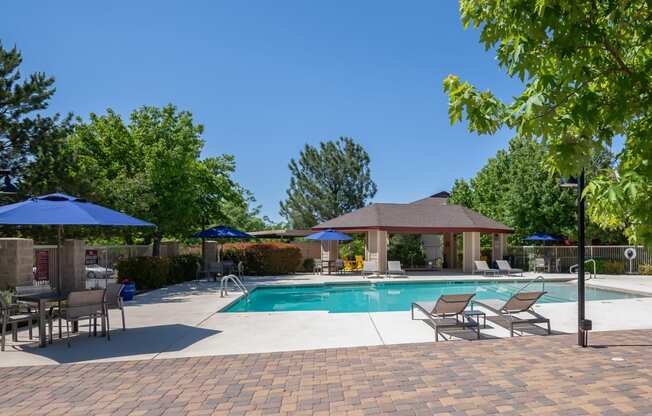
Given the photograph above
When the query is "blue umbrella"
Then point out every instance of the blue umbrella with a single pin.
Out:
(329, 235)
(60, 210)
(222, 231)
(543, 237)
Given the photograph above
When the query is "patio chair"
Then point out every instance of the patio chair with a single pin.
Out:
(339, 266)
(445, 313)
(541, 265)
(505, 267)
(359, 263)
(369, 268)
(317, 267)
(394, 269)
(481, 266)
(114, 301)
(520, 303)
(84, 304)
(13, 314)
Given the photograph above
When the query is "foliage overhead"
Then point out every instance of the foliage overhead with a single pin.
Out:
(586, 66)
(150, 167)
(515, 188)
(327, 181)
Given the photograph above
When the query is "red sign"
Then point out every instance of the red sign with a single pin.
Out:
(91, 257)
(42, 265)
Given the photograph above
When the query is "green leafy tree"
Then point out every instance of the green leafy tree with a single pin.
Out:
(150, 167)
(515, 187)
(327, 181)
(586, 66)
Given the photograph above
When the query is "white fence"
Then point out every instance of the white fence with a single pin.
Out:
(561, 258)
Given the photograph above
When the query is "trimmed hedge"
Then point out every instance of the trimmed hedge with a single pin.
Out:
(645, 269)
(264, 258)
(155, 272)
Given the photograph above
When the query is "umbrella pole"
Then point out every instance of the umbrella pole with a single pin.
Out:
(59, 248)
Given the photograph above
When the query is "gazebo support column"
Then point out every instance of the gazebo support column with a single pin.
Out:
(471, 250)
(450, 250)
(376, 248)
(498, 246)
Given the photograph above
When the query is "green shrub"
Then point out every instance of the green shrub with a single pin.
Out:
(308, 265)
(264, 258)
(184, 268)
(155, 272)
(407, 249)
(645, 269)
(607, 266)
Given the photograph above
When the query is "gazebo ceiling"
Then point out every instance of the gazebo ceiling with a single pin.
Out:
(432, 214)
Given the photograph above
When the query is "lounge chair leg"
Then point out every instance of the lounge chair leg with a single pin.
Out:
(67, 333)
(511, 329)
(29, 329)
(14, 332)
(549, 332)
(124, 326)
(51, 324)
(436, 334)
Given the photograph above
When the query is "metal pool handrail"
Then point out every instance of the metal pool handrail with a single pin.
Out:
(543, 284)
(224, 284)
(593, 275)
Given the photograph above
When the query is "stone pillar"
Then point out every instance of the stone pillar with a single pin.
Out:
(210, 252)
(450, 250)
(73, 267)
(498, 245)
(169, 248)
(16, 262)
(471, 243)
(376, 248)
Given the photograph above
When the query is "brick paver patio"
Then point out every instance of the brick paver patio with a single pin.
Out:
(530, 375)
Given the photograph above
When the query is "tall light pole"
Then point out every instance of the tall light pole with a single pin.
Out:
(583, 325)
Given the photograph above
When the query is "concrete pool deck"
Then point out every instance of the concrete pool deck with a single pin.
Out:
(182, 321)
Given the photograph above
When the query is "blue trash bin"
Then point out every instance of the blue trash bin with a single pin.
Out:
(128, 291)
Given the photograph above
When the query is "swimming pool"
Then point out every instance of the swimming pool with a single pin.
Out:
(381, 297)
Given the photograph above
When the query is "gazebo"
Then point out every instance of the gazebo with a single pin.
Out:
(433, 217)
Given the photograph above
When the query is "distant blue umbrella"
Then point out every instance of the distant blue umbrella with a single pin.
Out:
(329, 235)
(60, 210)
(222, 231)
(544, 237)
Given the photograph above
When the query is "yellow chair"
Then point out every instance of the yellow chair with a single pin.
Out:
(359, 263)
(349, 265)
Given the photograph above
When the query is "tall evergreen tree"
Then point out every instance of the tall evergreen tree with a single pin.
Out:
(327, 181)
(21, 129)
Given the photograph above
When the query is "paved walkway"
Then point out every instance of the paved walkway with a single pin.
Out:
(529, 375)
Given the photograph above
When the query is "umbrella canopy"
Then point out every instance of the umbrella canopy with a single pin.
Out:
(222, 231)
(329, 235)
(543, 237)
(60, 209)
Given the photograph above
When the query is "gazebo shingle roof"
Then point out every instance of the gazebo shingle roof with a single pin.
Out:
(432, 214)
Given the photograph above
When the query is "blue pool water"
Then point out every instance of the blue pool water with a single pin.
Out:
(380, 297)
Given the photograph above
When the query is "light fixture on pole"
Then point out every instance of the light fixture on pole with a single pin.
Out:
(583, 325)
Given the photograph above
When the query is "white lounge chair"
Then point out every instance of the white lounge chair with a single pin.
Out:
(540, 265)
(505, 267)
(481, 266)
(394, 269)
(370, 268)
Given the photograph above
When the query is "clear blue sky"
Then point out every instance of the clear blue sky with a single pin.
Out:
(266, 77)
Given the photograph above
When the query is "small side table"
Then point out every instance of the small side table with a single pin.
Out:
(475, 314)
